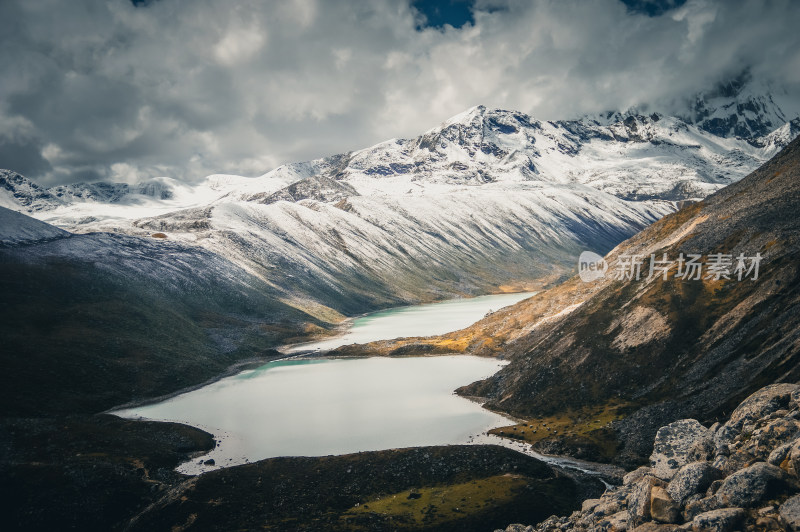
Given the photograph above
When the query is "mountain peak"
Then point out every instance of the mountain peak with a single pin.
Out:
(17, 190)
(741, 107)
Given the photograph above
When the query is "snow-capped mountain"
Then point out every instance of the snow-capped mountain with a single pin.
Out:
(488, 199)
(741, 107)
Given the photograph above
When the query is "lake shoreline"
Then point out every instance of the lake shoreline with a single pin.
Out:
(605, 471)
(485, 304)
(333, 354)
(317, 406)
(258, 361)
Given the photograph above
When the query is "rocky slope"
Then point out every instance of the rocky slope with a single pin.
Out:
(743, 474)
(663, 349)
(740, 107)
(16, 228)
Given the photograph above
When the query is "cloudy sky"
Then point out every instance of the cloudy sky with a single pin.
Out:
(126, 89)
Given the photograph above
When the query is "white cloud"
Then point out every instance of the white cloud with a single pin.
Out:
(239, 44)
(100, 89)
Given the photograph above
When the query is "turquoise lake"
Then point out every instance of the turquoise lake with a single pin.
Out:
(324, 406)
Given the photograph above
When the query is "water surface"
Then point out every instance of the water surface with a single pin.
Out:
(417, 320)
(318, 407)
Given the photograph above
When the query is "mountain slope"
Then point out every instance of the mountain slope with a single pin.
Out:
(16, 228)
(92, 321)
(669, 348)
(490, 200)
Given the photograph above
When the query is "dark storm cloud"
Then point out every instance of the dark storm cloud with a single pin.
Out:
(185, 88)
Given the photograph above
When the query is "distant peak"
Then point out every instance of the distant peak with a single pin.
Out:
(482, 115)
(741, 106)
(466, 117)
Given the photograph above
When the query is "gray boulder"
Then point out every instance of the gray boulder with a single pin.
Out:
(779, 454)
(702, 449)
(722, 438)
(692, 478)
(672, 444)
(714, 487)
(639, 499)
(720, 462)
(774, 434)
(751, 485)
(761, 404)
(617, 522)
(589, 505)
(635, 475)
(790, 512)
(696, 505)
(721, 520)
(793, 456)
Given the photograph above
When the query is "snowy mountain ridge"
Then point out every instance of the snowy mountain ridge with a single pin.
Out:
(742, 107)
(488, 200)
(629, 155)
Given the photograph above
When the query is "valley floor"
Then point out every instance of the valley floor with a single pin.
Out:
(105, 473)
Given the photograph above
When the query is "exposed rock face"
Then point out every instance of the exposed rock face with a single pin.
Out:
(319, 188)
(672, 445)
(731, 487)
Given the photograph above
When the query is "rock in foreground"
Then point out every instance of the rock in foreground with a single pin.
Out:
(740, 475)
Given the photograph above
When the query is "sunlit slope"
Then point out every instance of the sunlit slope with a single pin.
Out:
(683, 346)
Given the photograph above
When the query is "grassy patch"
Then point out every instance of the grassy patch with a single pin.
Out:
(586, 425)
(429, 506)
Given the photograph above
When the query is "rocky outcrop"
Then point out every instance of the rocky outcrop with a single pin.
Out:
(672, 445)
(319, 188)
(738, 475)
